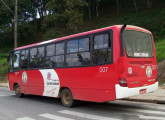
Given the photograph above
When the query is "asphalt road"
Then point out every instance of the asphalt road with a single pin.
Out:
(44, 108)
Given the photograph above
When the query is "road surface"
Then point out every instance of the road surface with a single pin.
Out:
(44, 108)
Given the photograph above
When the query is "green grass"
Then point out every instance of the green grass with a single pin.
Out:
(161, 81)
(3, 79)
(3, 69)
(3, 61)
(160, 50)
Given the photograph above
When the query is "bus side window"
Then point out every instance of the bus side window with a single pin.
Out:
(50, 52)
(41, 57)
(24, 59)
(84, 44)
(15, 61)
(60, 48)
(10, 63)
(71, 57)
(102, 51)
(56, 58)
(59, 58)
(72, 46)
(78, 52)
(33, 57)
(84, 54)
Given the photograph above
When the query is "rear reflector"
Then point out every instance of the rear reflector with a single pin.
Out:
(123, 82)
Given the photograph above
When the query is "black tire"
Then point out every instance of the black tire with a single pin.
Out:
(67, 98)
(18, 91)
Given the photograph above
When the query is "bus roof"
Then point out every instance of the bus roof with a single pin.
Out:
(83, 33)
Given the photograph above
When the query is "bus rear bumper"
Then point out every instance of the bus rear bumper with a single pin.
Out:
(124, 92)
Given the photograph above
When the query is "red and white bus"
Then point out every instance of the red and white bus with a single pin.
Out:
(99, 65)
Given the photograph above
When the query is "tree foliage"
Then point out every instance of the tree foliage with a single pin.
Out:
(47, 19)
(66, 13)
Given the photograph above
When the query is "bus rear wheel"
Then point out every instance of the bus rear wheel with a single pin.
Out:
(18, 91)
(67, 98)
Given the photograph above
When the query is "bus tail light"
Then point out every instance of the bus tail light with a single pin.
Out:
(156, 79)
(123, 82)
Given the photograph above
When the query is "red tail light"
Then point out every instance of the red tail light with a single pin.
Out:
(123, 82)
(156, 79)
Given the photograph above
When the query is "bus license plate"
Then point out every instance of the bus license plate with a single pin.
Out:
(142, 91)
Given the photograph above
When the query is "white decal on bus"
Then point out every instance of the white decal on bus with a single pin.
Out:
(51, 82)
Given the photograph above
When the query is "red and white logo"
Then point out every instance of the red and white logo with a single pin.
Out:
(49, 76)
(148, 71)
(130, 70)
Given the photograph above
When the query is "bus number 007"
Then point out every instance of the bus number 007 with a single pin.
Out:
(103, 69)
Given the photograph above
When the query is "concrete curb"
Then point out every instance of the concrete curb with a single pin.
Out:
(144, 100)
(139, 100)
(4, 85)
(160, 101)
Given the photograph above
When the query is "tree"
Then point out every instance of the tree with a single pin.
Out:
(66, 13)
(89, 9)
(26, 13)
(149, 2)
(118, 7)
(6, 23)
(97, 8)
(40, 8)
(135, 5)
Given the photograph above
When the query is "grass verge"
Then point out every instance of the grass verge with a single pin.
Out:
(3, 69)
(160, 50)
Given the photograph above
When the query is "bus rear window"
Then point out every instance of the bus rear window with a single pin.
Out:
(138, 44)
